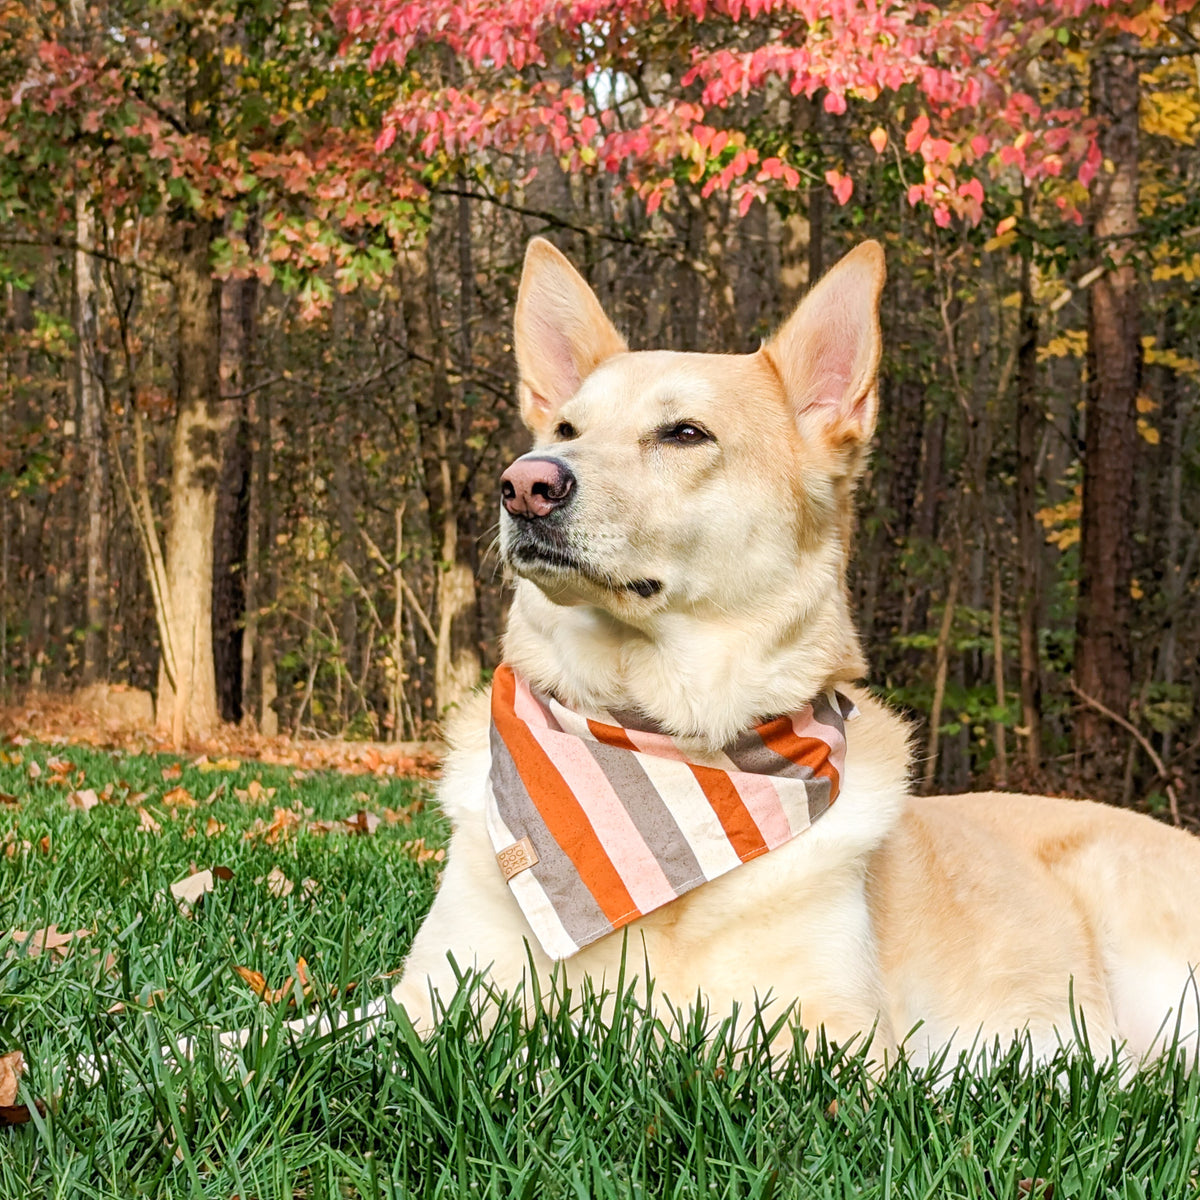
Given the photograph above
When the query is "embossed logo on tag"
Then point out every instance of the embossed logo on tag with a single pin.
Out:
(518, 857)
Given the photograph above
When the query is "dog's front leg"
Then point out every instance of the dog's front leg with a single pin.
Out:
(474, 931)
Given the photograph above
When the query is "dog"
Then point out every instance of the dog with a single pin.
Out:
(677, 540)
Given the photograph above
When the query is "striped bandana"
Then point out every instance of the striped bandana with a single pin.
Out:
(598, 821)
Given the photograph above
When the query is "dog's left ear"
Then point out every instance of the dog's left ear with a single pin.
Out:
(827, 352)
(560, 333)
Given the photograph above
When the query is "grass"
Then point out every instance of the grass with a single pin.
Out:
(571, 1107)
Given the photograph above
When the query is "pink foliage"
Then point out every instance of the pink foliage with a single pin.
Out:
(542, 75)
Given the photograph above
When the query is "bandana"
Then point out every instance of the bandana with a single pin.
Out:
(597, 821)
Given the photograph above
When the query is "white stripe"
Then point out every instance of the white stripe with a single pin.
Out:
(688, 804)
(529, 894)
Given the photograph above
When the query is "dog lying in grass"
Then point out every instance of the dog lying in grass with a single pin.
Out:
(675, 768)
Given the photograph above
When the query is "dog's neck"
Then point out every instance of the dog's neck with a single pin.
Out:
(703, 678)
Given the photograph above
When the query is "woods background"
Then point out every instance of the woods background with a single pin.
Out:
(259, 263)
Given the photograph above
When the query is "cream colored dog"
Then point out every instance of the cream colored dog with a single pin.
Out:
(697, 577)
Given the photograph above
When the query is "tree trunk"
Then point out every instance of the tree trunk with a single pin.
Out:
(232, 523)
(1030, 423)
(1103, 658)
(91, 435)
(189, 704)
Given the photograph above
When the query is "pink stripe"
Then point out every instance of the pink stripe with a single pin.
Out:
(661, 745)
(762, 802)
(807, 726)
(639, 870)
(528, 708)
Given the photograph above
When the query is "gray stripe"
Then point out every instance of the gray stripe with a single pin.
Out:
(576, 907)
(752, 755)
(649, 814)
(828, 715)
(819, 792)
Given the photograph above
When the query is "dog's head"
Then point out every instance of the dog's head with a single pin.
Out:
(697, 483)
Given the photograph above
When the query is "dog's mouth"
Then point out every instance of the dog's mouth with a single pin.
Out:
(533, 556)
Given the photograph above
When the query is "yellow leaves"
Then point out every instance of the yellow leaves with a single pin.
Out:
(1172, 360)
(1135, 590)
(1147, 432)
(1001, 242)
(1071, 343)
(1061, 521)
(1173, 114)
(179, 797)
(1012, 300)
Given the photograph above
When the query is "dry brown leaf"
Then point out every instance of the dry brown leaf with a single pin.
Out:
(423, 853)
(12, 1067)
(254, 793)
(192, 887)
(8, 798)
(146, 823)
(255, 981)
(44, 843)
(212, 827)
(403, 816)
(39, 941)
(173, 773)
(35, 770)
(362, 822)
(278, 884)
(309, 888)
(83, 801)
(180, 797)
(224, 873)
(283, 822)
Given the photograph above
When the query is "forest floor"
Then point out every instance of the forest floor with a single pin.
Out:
(145, 897)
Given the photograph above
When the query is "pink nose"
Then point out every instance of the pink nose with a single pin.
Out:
(535, 487)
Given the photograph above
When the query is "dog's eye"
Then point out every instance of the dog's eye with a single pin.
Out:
(565, 430)
(684, 434)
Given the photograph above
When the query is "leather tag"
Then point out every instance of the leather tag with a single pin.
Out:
(518, 857)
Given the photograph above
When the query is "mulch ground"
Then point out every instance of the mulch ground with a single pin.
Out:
(57, 721)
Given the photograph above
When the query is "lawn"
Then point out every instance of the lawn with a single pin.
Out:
(571, 1107)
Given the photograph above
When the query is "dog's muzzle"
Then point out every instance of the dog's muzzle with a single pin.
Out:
(535, 486)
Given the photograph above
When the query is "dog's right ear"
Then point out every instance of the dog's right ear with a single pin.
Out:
(560, 333)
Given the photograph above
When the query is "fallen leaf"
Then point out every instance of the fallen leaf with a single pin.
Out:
(213, 827)
(423, 853)
(44, 843)
(12, 1067)
(309, 888)
(83, 801)
(180, 797)
(190, 889)
(146, 823)
(172, 773)
(253, 980)
(223, 873)
(254, 793)
(256, 982)
(278, 884)
(222, 764)
(8, 798)
(35, 771)
(38, 941)
(284, 822)
(362, 822)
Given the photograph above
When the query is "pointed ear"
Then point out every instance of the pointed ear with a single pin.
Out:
(560, 333)
(827, 352)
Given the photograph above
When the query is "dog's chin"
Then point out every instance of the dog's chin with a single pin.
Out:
(564, 578)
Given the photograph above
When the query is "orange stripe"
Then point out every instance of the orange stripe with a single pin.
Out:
(735, 818)
(780, 736)
(554, 800)
(610, 735)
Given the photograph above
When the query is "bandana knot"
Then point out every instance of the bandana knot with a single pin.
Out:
(597, 821)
